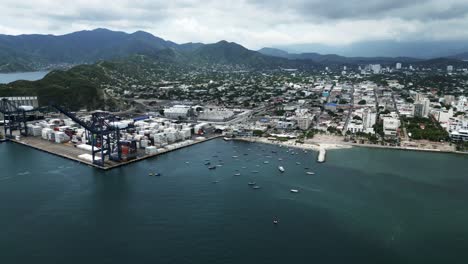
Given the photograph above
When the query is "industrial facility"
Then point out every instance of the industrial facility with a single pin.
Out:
(98, 138)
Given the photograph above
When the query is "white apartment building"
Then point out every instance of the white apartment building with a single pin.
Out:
(304, 122)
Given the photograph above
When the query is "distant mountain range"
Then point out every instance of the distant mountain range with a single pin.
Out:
(31, 52)
(333, 58)
(389, 48)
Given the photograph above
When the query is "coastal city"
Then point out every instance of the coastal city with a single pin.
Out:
(372, 106)
(263, 132)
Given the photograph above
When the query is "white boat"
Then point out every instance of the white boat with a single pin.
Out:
(280, 168)
(237, 174)
(235, 157)
(298, 163)
(266, 162)
(310, 173)
(226, 139)
(294, 191)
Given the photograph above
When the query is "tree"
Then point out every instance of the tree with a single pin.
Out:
(258, 133)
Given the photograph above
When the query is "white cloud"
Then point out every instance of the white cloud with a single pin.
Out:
(253, 23)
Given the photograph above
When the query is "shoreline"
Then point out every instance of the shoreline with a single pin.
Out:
(106, 167)
(316, 146)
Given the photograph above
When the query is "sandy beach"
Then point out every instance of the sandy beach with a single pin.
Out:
(293, 144)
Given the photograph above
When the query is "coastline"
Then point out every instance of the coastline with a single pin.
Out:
(317, 145)
(290, 144)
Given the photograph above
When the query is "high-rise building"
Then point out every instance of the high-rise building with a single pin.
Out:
(398, 66)
(449, 68)
(418, 109)
(304, 122)
(375, 68)
(369, 119)
(421, 108)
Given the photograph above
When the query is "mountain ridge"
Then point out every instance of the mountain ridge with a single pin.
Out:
(35, 51)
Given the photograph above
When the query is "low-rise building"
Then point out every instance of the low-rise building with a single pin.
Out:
(391, 124)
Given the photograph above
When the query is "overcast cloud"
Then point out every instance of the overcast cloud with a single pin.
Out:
(253, 23)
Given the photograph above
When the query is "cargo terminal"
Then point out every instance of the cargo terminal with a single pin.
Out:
(98, 138)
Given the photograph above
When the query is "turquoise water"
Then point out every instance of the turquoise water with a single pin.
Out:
(361, 206)
(28, 76)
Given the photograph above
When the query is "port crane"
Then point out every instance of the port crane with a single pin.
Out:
(103, 135)
(100, 130)
(14, 118)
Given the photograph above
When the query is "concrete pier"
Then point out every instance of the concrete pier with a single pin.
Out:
(321, 155)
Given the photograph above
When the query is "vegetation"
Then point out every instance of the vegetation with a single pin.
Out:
(425, 128)
(462, 146)
(258, 133)
(280, 112)
(76, 88)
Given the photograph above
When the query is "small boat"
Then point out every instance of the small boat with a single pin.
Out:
(226, 139)
(157, 174)
(150, 174)
(235, 157)
(246, 154)
(294, 191)
(266, 162)
(298, 163)
(310, 173)
(212, 167)
(254, 171)
(219, 165)
(214, 181)
(273, 151)
(187, 162)
(207, 163)
(280, 168)
(237, 174)
(251, 183)
(256, 187)
(275, 222)
(280, 159)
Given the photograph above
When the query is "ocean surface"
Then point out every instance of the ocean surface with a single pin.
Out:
(361, 206)
(28, 76)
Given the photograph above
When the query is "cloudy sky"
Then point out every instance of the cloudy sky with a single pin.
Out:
(253, 23)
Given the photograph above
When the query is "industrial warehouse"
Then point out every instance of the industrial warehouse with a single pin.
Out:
(99, 139)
